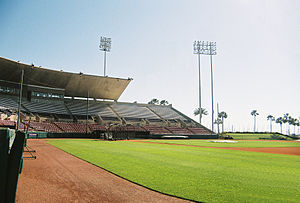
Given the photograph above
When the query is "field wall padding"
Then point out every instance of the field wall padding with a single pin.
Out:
(11, 151)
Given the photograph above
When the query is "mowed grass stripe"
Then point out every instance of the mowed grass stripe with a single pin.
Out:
(201, 174)
(240, 143)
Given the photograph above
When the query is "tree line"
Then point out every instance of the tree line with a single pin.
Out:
(157, 102)
(285, 119)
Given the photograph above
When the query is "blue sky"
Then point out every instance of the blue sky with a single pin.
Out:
(258, 45)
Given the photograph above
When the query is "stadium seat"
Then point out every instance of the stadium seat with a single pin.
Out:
(157, 130)
(179, 131)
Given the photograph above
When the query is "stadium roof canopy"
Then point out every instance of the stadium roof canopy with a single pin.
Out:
(74, 84)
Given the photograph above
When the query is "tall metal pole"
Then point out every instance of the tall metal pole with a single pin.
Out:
(20, 100)
(105, 45)
(104, 63)
(212, 93)
(254, 123)
(87, 113)
(218, 119)
(200, 115)
(206, 48)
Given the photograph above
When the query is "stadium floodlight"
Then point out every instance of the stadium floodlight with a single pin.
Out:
(206, 48)
(105, 45)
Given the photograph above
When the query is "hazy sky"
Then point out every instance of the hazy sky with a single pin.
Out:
(258, 46)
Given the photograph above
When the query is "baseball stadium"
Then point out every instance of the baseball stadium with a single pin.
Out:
(65, 137)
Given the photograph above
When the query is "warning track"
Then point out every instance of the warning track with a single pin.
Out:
(56, 176)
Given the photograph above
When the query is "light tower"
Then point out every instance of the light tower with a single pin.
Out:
(206, 48)
(197, 50)
(105, 45)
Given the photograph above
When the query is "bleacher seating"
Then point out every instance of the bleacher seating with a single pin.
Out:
(71, 127)
(95, 126)
(127, 128)
(43, 126)
(199, 131)
(179, 131)
(133, 111)
(79, 107)
(44, 106)
(166, 112)
(79, 127)
(9, 102)
(106, 112)
(134, 128)
(157, 130)
(7, 123)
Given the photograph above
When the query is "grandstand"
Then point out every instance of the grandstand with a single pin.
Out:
(62, 102)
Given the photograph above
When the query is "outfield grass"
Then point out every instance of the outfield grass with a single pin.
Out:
(255, 136)
(240, 143)
(201, 174)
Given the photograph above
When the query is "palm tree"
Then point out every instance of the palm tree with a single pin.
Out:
(295, 123)
(153, 101)
(292, 121)
(164, 102)
(286, 119)
(271, 119)
(222, 115)
(202, 112)
(254, 113)
(218, 121)
(280, 121)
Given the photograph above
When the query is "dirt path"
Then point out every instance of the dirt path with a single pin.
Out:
(271, 140)
(56, 176)
(272, 150)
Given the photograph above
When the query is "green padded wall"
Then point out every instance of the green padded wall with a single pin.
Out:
(14, 165)
(4, 149)
(11, 150)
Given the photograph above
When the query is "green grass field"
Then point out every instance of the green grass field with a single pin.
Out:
(256, 136)
(201, 174)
